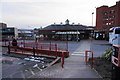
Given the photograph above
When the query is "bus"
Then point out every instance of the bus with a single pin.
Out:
(114, 36)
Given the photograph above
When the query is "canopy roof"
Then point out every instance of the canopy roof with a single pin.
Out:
(55, 27)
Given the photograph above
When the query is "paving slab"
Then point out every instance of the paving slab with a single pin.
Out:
(74, 67)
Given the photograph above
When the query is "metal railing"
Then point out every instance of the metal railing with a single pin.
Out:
(45, 45)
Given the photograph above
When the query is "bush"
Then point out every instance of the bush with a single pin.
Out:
(108, 53)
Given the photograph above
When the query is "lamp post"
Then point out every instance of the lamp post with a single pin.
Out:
(92, 18)
(92, 32)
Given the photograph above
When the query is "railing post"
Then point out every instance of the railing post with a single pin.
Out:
(5, 43)
(56, 47)
(92, 60)
(86, 57)
(33, 51)
(20, 44)
(67, 45)
(50, 46)
(36, 45)
(62, 59)
(8, 49)
(9, 43)
(41, 47)
(24, 43)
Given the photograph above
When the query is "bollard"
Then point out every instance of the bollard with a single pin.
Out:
(62, 59)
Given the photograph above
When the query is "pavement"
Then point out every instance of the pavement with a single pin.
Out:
(75, 66)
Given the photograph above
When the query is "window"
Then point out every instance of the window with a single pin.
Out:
(111, 17)
(107, 23)
(104, 23)
(105, 18)
(115, 51)
(117, 31)
(112, 11)
(105, 13)
(112, 22)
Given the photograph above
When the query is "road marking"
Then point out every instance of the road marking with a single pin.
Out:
(38, 68)
(32, 72)
(79, 52)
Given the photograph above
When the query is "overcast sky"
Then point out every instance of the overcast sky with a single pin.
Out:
(37, 13)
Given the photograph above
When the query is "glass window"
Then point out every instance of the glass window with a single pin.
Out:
(104, 23)
(112, 22)
(105, 18)
(112, 11)
(107, 23)
(115, 52)
(105, 13)
(117, 31)
(111, 17)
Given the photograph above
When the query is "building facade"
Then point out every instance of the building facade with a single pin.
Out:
(25, 34)
(9, 33)
(107, 17)
(3, 25)
(67, 31)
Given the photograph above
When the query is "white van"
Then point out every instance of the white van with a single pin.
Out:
(114, 36)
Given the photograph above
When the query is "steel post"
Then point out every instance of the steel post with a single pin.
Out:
(62, 59)
(8, 49)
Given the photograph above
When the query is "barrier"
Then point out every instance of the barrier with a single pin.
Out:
(45, 45)
(34, 48)
(86, 58)
(35, 52)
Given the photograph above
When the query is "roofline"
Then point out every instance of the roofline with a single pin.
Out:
(65, 30)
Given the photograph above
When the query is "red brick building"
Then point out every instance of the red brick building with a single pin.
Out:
(107, 17)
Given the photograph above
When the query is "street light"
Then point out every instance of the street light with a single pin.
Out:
(92, 18)
(92, 24)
